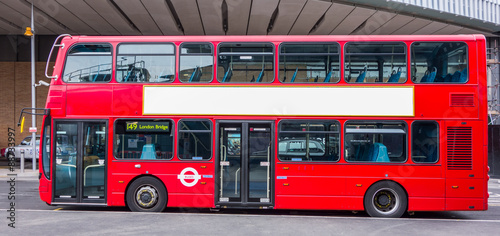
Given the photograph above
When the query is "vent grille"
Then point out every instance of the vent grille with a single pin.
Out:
(462, 100)
(459, 148)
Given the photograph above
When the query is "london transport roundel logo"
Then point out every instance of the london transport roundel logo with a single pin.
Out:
(189, 174)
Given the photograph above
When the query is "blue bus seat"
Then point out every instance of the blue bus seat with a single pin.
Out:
(294, 75)
(329, 75)
(456, 76)
(362, 152)
(361, 76)
(148, 152)
(227, 76)
(463, 75)
(432, 75)
(261, 75)
(425, 78)
(195, 76)
(378, 153)
(395, 76)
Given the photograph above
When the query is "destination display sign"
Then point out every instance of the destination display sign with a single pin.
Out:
(148, 126)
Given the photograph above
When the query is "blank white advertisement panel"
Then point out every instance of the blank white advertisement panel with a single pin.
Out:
(278, 101)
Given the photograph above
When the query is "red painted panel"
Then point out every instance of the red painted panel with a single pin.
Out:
(426, 204)
(201, 194)
(127, 100)
(318, 202)
(466, 204)
(88, 100)
(464, 188)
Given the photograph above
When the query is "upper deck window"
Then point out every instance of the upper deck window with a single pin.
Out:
(439, 62)
(245, 63)
(145, 63)
(196, 62)
(88, 63)
(375, 62)
(309, 63)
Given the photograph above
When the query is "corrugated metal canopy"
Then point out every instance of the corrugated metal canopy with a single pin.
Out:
(232, 17)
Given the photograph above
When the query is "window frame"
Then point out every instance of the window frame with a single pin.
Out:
(172, 133)
(212, 54)
(88, 43)
(466, 55)
(437, 141)
(46, 160)
(367, 122)
(339, 47)
(210, 132)
(326, 133)
(174, 54)
(273, 46)
(345, 54)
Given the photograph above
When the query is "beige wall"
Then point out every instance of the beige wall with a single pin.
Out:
(15, 94)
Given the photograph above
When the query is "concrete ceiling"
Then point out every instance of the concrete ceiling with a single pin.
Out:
(220, 17)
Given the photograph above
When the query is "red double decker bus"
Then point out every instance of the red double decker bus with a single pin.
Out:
(382, 124)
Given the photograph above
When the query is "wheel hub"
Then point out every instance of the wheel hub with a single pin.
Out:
(386, 201)
(146, 196)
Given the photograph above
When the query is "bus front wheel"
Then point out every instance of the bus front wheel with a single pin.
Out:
(147, 194)
(386, 199)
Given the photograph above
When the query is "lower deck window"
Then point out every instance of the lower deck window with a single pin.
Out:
(309, 141)
(375, 142)
(143, 139)
(194, 140)
(424, 142)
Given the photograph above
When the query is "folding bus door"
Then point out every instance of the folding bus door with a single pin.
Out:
(79, 166)
(245, 160)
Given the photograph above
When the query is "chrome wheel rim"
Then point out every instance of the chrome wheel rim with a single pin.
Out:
(146, 196)
(386, 201)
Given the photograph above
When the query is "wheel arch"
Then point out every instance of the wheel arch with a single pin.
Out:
(387, 181)
(142, 176)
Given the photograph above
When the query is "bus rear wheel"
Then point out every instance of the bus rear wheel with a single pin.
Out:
(146, 194)
(386, 199)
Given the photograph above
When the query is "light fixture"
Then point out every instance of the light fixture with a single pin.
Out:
(28, 32)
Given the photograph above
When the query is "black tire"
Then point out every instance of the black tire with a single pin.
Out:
(386, 199)
(146, 194)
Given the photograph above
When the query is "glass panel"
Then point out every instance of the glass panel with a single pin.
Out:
(196, 63)
(375, 62)
(65, 171)
(230, 164)
(157, 49)
(303, 63)
(94, 156)
(245, 63)
(194, 140)
(259, 162)
(304, 141)
(88, 63)
(444, 62)
(46, 148)
(375, 142)
(145, 63)
(424, 142)
(143, 139)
